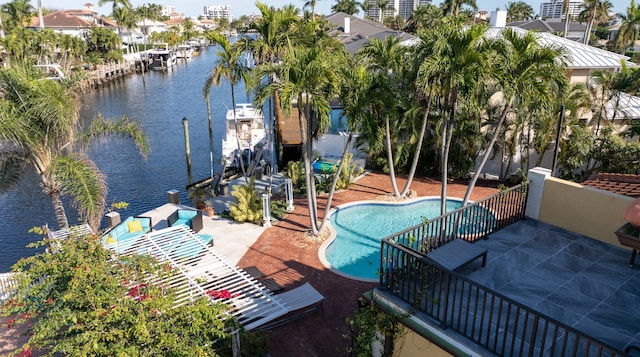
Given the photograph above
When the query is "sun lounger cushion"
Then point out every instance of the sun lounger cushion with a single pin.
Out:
(122, 237)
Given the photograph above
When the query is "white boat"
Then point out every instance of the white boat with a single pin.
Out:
(51, 71)
(251, 134)
(162, 57)
(184, 51)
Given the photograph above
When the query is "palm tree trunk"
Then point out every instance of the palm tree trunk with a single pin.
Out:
(58, 208)
(308, 169)
(392, 173)
(447, 135)
(587, 35)
(485, 156)
(416, 155)
(565, 7)
(336, 177)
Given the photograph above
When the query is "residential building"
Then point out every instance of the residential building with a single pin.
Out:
(354, 32)
(576, 30)
(403, 8)
(72, 22)
(553, 9)
(170, 11)
(214, 12)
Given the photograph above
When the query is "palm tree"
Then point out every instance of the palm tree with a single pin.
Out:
(519, 11)
(594, 11)
(456, 64)
(120, 11)
(229, 67)
(349, 7)
(365, 6)
(423, 17)
(527, 71)
(629, 29)
(382, 5)
(19, 12)
(309, 77)
(386, 57)
(356, 95)
(453, 6)
(274, 29)
(41, 130)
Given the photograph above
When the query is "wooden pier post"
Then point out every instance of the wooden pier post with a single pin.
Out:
(187, 148)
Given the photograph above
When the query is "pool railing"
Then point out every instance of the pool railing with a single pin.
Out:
(471, 222)
(489, 319)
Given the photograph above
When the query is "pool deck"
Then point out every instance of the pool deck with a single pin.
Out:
(283, 253)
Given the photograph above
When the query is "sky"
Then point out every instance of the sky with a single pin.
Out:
(193, 8)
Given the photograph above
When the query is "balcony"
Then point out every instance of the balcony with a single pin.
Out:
(545, 290)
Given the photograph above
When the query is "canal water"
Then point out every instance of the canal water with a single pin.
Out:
(159, 103)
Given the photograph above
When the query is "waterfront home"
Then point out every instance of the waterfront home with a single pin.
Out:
(355, 32)
(557, 281)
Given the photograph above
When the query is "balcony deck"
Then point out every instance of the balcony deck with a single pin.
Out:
(576, 280)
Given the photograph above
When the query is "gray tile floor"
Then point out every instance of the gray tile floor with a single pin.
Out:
(574, 279)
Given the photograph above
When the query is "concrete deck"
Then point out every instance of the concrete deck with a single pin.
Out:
(232, 239)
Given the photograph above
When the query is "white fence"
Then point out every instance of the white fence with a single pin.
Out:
(7, 282)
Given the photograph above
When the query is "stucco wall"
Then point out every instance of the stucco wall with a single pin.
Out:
(581, 209)
(411, 344)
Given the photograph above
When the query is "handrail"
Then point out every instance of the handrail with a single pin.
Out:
(471, 222)
(486, 317)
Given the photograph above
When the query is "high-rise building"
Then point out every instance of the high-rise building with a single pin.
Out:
(553, 9)
(167, 10)
(404, 8)
(213, 12)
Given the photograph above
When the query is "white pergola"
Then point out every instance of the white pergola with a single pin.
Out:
(201, 269)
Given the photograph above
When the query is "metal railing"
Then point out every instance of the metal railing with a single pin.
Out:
(471, 222)
(491, 320)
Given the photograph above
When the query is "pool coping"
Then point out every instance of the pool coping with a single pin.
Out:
(332, 232)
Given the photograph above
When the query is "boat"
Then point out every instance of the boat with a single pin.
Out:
(162, 57)
(252, 135)
(184, 51)
(196, 45)
(51, 71)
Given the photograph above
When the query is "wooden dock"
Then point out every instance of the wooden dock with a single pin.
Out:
(291, 129)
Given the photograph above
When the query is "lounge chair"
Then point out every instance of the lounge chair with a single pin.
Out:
(299, 302)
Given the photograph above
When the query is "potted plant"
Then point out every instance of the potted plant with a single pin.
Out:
(208, 208)
(197, 196)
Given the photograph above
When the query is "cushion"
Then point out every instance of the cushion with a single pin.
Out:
(110, 240)
(134, 226)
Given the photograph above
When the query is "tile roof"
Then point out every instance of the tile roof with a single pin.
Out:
(623, 184)
(60, 19)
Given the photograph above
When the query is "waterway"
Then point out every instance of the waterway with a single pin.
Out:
(159, 103)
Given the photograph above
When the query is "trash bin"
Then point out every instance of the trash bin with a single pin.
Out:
(258, 173)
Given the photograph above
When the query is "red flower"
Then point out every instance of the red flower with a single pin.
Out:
(220, 294)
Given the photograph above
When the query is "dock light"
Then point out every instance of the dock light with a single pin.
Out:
(266, 210)
(288, 186)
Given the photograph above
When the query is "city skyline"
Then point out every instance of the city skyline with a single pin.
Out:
(194, 8)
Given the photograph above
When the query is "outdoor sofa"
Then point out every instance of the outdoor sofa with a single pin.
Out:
(122, 236)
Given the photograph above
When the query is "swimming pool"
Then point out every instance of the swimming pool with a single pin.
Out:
(359, 227)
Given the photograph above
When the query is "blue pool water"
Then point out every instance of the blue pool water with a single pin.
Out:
(360, 228)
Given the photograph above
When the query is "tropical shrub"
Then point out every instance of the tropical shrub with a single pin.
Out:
(248, 206)
(81, 300)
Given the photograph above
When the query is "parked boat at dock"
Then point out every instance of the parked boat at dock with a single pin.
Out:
(246, 124)
(163, 57)
(184, 51)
